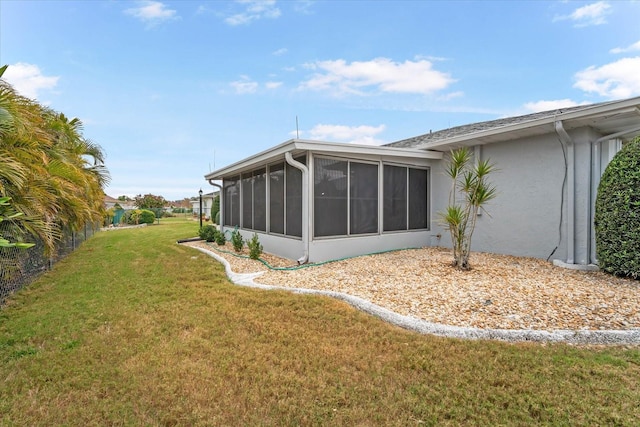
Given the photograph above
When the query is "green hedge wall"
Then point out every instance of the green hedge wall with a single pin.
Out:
(617, 216)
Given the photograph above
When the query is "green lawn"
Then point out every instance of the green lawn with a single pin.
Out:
(133, 329)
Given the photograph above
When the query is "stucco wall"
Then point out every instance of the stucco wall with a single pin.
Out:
(531, 215)
(524, 218)
(335, 248)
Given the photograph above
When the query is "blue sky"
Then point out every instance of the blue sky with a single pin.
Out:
(174, 89)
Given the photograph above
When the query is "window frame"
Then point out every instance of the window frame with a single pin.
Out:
(408, 168)
(348, 161)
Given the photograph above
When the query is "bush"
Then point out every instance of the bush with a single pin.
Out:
(220, 239)
(237, 241)
(131, 217)
(617, 216)
(208, 233)
(146, 217)
(255, 248)
(217, 218)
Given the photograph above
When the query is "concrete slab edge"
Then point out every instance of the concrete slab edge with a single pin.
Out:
(582, 337)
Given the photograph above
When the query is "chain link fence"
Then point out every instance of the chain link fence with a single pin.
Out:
(19, 267)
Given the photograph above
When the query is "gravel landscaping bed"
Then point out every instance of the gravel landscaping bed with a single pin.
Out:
(500, 292)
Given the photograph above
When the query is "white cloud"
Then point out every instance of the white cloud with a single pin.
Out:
(280, 52)
(351, 134)
(619, 79)
(591, 14)
(273, 85)
(450, 96)
(630, 48)
(245, 85)
(254, 10)
(340, 77)
(548, 105)
(304, 6)
(151, 12)
(28, 79)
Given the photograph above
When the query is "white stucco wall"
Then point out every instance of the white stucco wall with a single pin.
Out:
(525, 218)
(335, 248)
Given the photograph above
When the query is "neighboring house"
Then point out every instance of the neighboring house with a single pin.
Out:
(207, 204)
(316, 201)
(119, 207)
(110, 202)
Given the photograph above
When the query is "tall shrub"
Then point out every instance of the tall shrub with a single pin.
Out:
(617, 216)
(469, 183)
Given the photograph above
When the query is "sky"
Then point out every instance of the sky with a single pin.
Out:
(172, 90)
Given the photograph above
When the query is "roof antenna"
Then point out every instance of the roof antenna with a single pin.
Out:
(297, 134)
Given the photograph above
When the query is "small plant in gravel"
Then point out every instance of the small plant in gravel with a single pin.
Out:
(469, 181)
(237, 241)
(208, 233)
(617, 216)
(255, 248)
(220, 239)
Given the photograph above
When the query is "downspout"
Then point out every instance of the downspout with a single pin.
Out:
(571, 217)
(593, 193)
(305, 205)
(221, 204)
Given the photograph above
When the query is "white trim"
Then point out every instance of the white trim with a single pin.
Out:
(327, 148)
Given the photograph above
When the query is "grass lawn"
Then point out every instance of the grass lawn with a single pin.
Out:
(133, 329)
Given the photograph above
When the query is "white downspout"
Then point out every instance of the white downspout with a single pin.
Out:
(571, 217)
(593, 193)
(305, 205)
(221, 204)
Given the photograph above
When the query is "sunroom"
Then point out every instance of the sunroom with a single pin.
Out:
(315, 201)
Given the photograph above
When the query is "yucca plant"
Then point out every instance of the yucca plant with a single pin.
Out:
(469, 182)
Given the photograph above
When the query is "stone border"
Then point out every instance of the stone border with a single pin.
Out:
(124, 227)
(582, 337)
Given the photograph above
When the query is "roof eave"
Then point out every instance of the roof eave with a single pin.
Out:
(277, 152)
(625, 106)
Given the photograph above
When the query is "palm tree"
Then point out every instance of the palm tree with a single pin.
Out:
(53, 175)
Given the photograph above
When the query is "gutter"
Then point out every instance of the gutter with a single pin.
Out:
(571, 217)
(305, 205)
(221, 204)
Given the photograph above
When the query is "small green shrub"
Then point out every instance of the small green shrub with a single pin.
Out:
(217, 218)
(131, 217)
(208, 233)
(220, 239)
(255, 248)
(617, 216)
(237, 241)
(147, 216)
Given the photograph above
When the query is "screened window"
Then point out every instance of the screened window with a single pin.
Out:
(247, 200)
(276, 199)
(418, 201)
(254, 200)
(232, 201)
(293, 199)
(405, 198)
(345, 197)
(284, 203)
(395, 198)
(363, 198)
(260, 200)
(330, 197)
